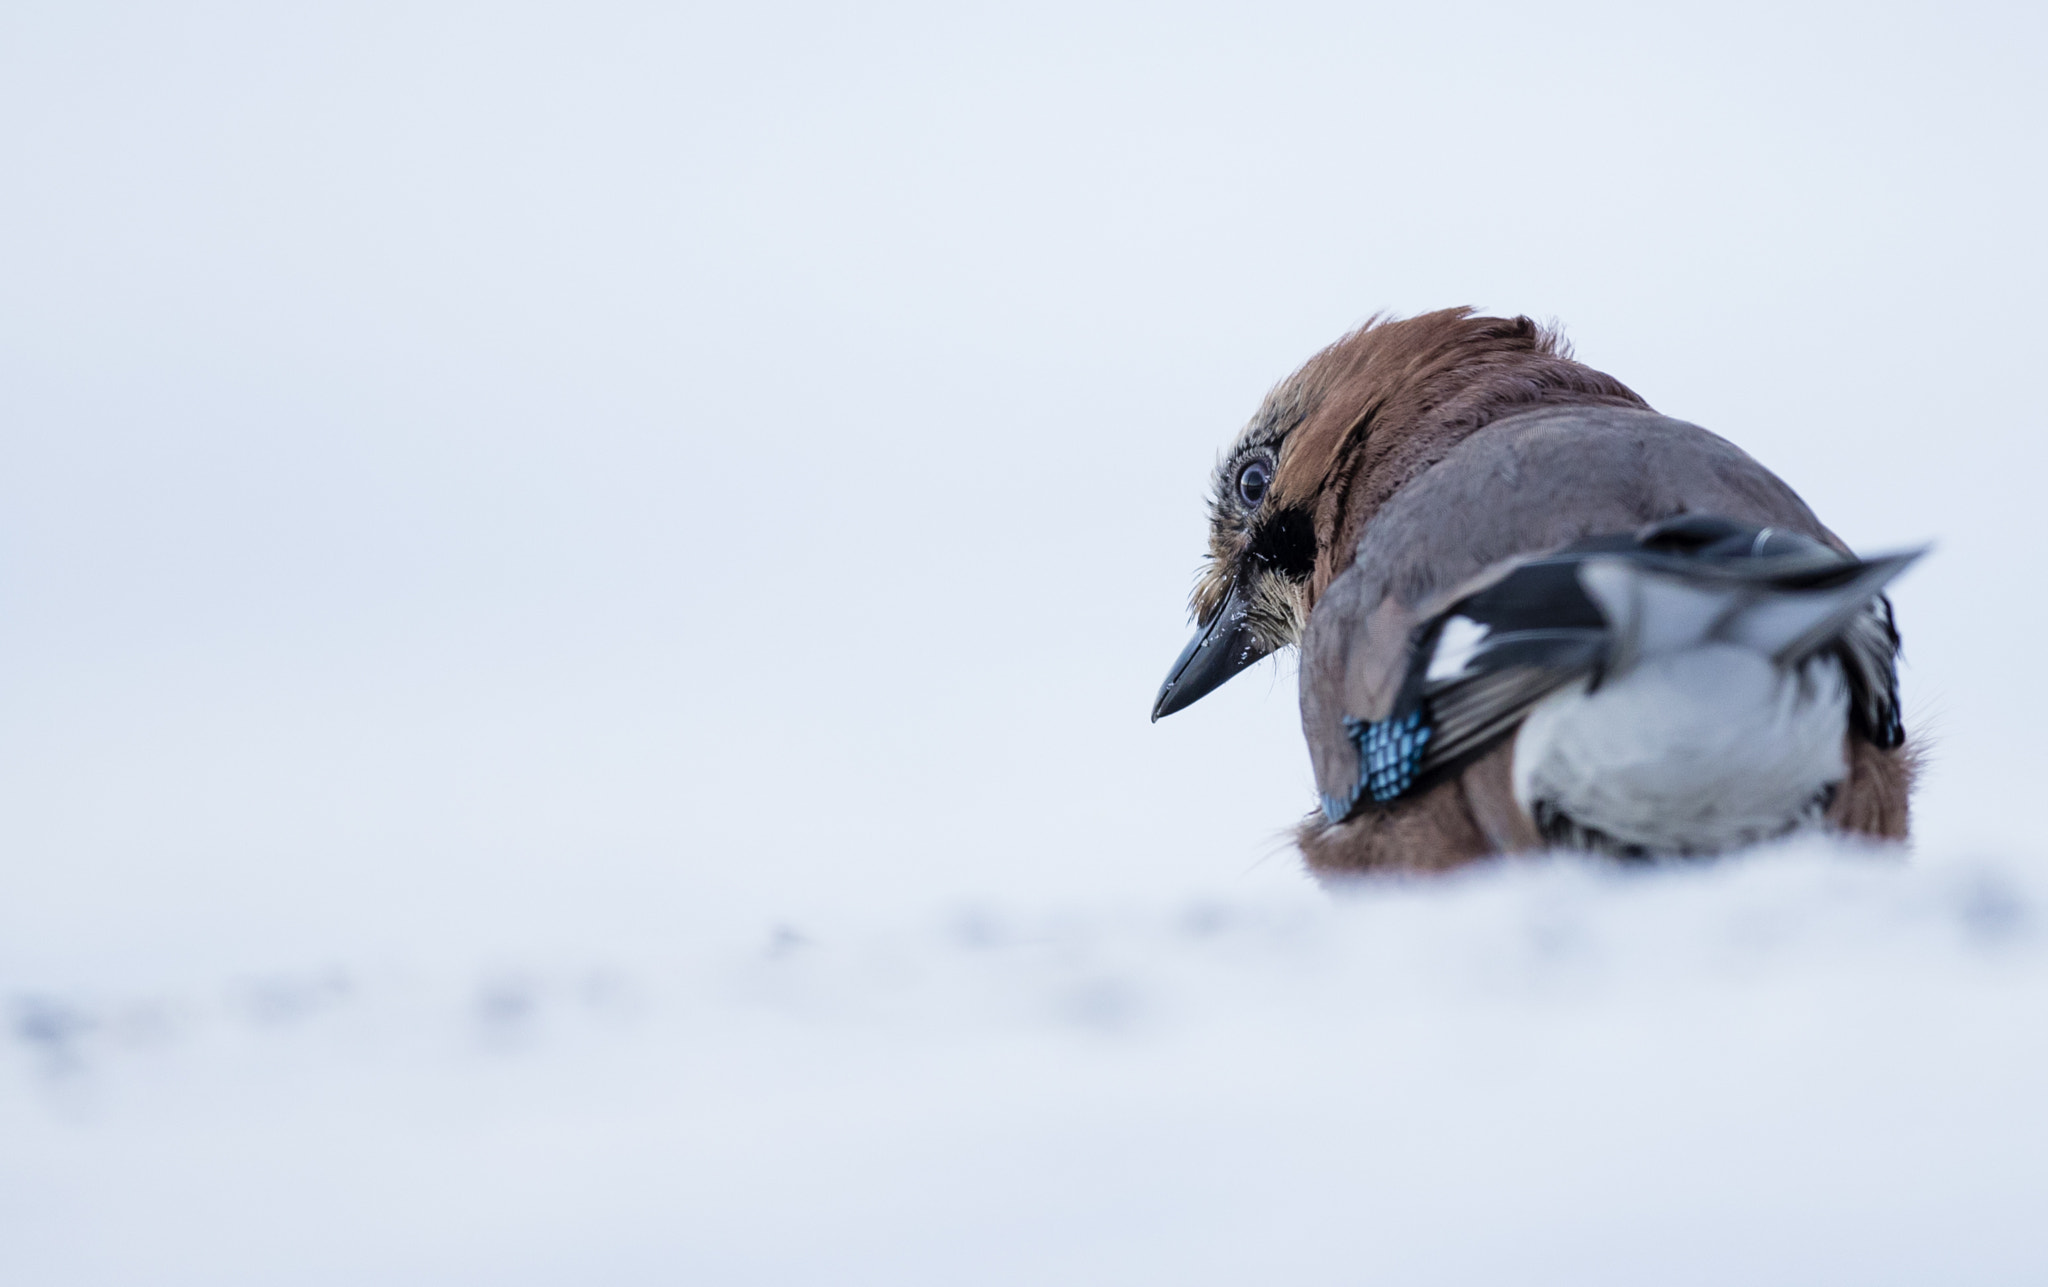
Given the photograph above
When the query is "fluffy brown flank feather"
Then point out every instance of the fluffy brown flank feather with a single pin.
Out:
(1386, 402)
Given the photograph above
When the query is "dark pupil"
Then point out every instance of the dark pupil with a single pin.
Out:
(1251, 483)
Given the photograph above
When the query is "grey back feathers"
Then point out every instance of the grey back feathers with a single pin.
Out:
(1570, 546)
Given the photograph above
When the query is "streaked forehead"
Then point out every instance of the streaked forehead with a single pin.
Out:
(1312, 413)
(1284, 408)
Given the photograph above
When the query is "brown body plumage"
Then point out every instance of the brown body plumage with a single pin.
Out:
(1332, 527)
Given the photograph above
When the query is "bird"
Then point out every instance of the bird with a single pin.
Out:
(1533, 613)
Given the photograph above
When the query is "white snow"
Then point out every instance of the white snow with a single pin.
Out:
(1808, 1065)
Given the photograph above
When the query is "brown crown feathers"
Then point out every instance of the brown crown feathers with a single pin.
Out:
(1344, 432)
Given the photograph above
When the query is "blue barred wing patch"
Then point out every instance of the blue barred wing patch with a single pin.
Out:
(1389, 760)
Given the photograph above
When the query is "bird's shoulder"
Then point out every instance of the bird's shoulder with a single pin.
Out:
(1513, 491)
(1545, 478)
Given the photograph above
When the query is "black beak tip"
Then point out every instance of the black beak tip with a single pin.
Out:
(1162, 704)
(1218, 651)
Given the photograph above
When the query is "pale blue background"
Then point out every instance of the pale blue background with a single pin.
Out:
(606, 449)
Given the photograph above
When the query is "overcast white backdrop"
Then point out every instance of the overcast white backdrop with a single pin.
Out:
(493, 474)
(643, 450)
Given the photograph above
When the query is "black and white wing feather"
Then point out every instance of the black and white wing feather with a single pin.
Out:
(1476, 666)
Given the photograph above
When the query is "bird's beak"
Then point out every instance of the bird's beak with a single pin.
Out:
(1218, 651)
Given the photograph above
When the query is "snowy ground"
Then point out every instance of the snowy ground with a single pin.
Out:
(1803, 1067)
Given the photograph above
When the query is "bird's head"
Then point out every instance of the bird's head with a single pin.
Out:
(1252, 597)
(1328, 446)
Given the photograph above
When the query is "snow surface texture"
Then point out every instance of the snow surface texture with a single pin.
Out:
(1804, 1066)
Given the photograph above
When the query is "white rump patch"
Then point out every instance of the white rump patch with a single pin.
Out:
(1693, 752)
(1455, 644)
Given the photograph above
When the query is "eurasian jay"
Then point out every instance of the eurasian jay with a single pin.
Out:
(1534, 613)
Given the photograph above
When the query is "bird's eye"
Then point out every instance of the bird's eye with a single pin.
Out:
(1251, 483)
